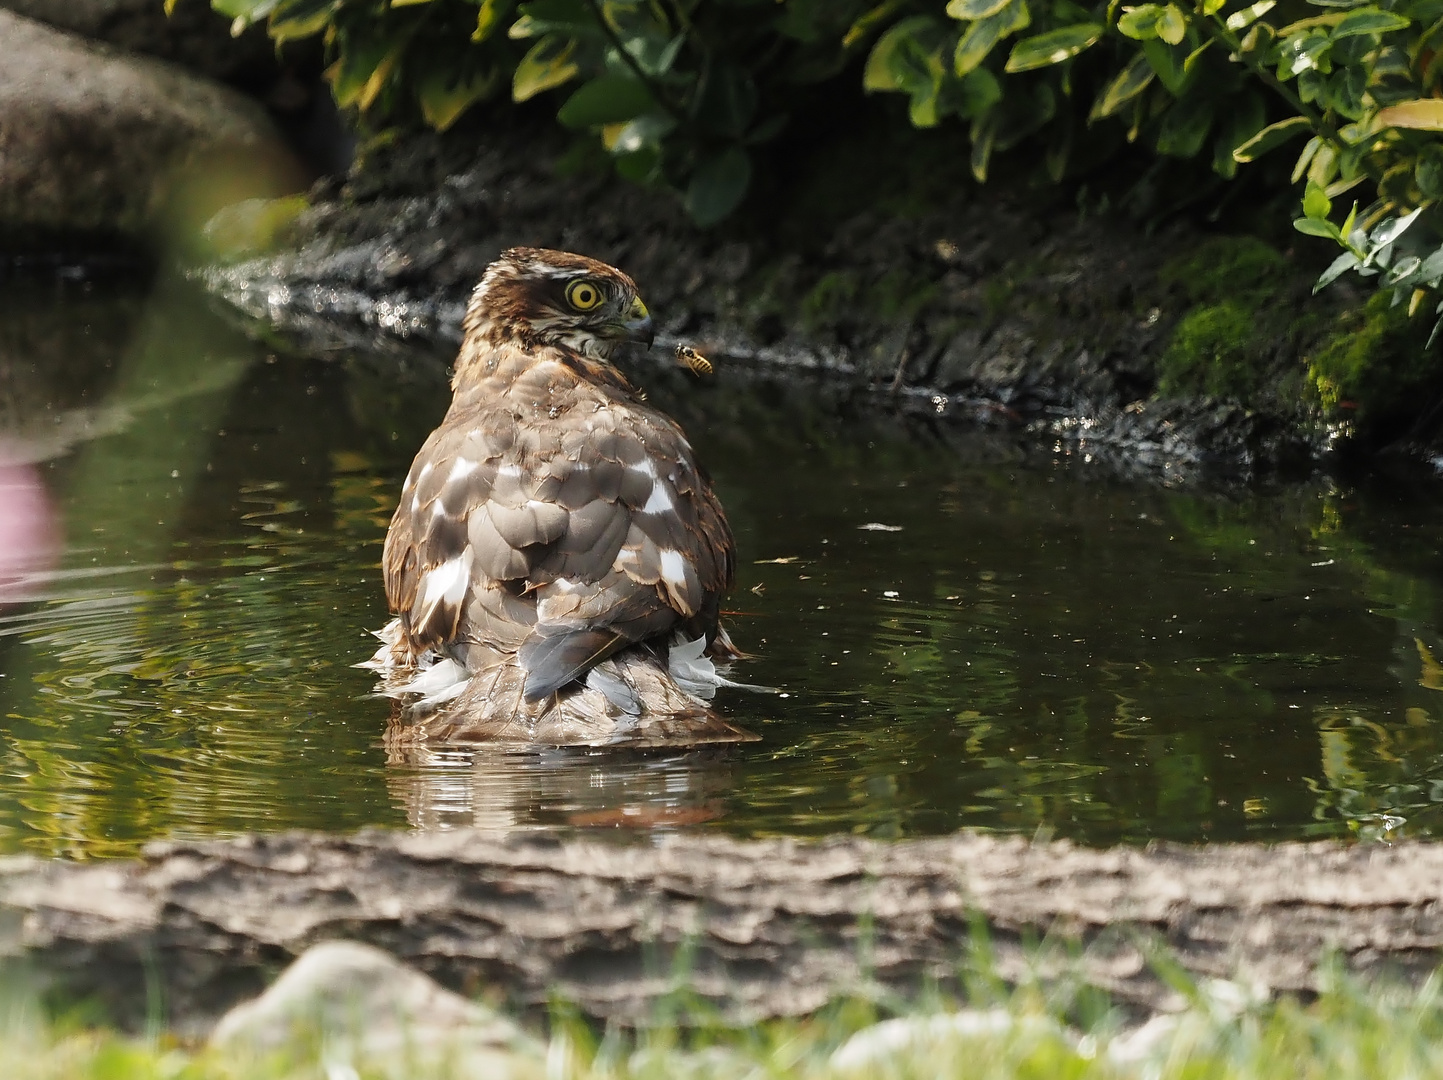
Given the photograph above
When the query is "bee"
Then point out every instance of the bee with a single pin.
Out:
(694, 360)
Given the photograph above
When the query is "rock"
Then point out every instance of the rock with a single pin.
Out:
(96, 143)
(193, 36)
(378, 1016)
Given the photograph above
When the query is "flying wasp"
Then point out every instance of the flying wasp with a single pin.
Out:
(694, 360)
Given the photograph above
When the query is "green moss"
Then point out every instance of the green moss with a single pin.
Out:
(828, 298)
(1375, 361)
(1238, 268)
(1212, 351)
(897, 295)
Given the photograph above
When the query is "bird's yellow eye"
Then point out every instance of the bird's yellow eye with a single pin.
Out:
(583, 295)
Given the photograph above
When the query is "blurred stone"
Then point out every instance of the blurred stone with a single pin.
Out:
(94, 142)
(27, 528)
(375, 1014)
(194, 35)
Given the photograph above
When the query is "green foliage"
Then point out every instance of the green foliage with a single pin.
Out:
(681, 93)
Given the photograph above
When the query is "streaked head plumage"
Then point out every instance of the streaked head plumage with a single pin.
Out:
(542, 297)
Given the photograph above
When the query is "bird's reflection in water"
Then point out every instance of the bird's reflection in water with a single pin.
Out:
(464, 787)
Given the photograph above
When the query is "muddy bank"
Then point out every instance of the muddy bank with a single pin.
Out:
(758, 928)
(1178, 351)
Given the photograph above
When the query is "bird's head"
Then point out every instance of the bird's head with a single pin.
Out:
(538, 296)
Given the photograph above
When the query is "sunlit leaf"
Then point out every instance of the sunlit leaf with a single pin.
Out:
(444, 98)
(889, 65)
(294, 19)
(1314, 227)
(572, 18)
(718, 185)
(1249, 15)
(1172, 25)
(549, 64)
(984, 34)
(1140, 23)
(1270, 138)
(1301, 166)
(610, 99)
(1053, 47)
(1316, 203)
(1369, 20)
(1212, 7)
(1424, 114)
(975, 9)
(859, 30)
(1389, 231)
(489, 17)
(984, 138)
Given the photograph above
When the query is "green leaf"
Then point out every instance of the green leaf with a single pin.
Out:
(1316, 203)
(891, 64)
(1249, 15)
(984, 34)
(984, 138)
(1212, 7)
(1313, 227)
(1369, 20)
(1053, 47)
(548, 64)
(1242, 120)
(1185, 126)
(572, 18)
(975, 9)
(644, 132)
(489, 18)
(1306, 157)
(444, 98)
(1340, 266)
(1423, 114)
(1133, 80)
(295, 19)
(1172, 25)
(1270, 138)
(1140, 23)
(717, 186)
(610, 99)
(250, 10)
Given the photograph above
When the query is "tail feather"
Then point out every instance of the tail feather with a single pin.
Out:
(635, 697)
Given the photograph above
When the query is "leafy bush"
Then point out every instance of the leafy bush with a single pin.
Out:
(682, 92)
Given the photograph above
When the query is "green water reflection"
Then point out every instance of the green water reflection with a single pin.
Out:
(969, 634)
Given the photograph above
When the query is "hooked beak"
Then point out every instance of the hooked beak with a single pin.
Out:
(637, 326)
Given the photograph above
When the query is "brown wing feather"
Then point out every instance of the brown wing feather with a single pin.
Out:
(579, 516)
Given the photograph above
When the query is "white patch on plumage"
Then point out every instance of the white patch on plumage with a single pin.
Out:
(415, 504)
(659, 502)
(673, 569)
(460, 469)
(425, 471)
(509, 469)
(694, 672)
(443, 584)
(436, 685)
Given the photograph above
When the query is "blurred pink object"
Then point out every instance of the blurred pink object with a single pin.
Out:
(28, 535)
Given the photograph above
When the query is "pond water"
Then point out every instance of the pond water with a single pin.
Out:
(971, 632)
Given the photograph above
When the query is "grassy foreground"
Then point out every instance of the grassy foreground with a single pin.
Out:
(1351, 1030)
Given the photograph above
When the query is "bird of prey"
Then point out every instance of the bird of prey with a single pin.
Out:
(558, 557)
